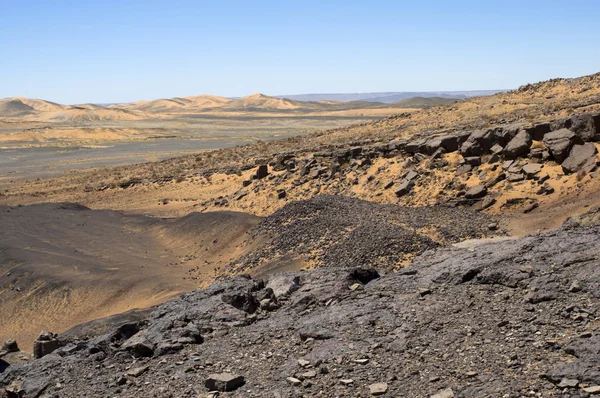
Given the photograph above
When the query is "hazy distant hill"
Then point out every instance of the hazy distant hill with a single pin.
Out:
(388, 97)
(39, 110)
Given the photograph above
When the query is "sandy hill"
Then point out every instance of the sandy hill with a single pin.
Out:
(265, 103)
(424, 102)
(83, 114)
(89, 106)
(186, 104)
(207, 101)
(17, 106)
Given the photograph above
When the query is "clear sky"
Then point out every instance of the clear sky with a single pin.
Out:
(124, 50)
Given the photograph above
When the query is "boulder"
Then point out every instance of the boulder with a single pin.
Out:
(538, 131)
(139, 345)
(581, 157)
(9, 346)
(224, 382)
(584, 126)
(262, 171)
(283, 284)
(473, 160)
(478, 143)
(242, 301)
(449, 143)
(411, 175)
(404, 188)
(476, 192)
(519, 146)
(496, 149)
(416, 146)
(560, 142)
(45, 344)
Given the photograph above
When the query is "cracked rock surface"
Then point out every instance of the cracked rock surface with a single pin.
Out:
(513, 318)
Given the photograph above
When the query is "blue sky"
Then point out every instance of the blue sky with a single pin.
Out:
(119, 51)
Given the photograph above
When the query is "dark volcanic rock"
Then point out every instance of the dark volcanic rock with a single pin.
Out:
(336, 231)
(519, 146)
(45, 344)
(560, 142)
(511, 303)
(224, 382)
(262, 171)
(476, 192)
(478, 143)
(404, 188)
(581, 157)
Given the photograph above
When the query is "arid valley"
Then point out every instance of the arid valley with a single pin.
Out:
(315, 199)
(354, 205)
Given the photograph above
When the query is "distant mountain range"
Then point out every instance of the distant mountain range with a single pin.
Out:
(389, 97)
(40, 110)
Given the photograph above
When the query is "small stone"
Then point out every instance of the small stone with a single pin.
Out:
(378, 388)
(530, 207)
(568, 383)
(575, 286)
(303, 362)
(463, 169)
(311, 374)
(361, 361)
(471, 374)
(592, 390)
(355, 286)
(136, 372)
(346, 381)
(293, 381)
(447, 393)
(224, 382)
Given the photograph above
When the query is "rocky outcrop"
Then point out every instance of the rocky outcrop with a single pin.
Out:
(501, 317)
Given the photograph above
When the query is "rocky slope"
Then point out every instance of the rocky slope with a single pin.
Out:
(512, 318)
(533, 147)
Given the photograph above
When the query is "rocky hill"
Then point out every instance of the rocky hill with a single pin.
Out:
(511, 318)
